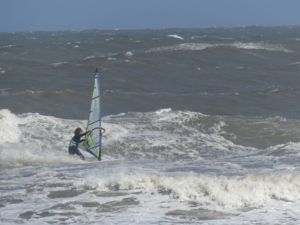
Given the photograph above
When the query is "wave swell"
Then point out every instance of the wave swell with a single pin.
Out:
(216, 193)
(237, 45)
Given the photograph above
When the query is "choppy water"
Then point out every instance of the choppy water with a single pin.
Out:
(202, 127)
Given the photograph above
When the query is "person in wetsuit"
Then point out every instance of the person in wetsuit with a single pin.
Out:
(75, 141)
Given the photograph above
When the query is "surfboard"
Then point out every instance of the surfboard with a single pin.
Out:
(93, 139)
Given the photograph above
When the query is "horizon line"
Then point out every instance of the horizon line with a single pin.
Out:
(153, 29)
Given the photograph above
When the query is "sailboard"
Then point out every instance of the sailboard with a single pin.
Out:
(93, 138)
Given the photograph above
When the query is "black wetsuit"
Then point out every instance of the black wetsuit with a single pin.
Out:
(74, 143)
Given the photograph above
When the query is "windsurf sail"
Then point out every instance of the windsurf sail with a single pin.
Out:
(94, 137)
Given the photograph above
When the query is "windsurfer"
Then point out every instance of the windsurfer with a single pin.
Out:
(75, 141)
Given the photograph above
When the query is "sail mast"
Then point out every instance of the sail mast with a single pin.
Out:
(99, 99)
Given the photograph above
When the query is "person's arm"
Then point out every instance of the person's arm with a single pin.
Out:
(102, 130)
(82, 140)
(83, 134)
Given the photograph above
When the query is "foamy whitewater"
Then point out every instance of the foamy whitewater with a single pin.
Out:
(202, 127)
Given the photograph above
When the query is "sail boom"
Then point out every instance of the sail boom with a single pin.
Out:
(93, 122)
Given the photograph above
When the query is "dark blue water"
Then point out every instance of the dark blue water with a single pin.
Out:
(241, 71)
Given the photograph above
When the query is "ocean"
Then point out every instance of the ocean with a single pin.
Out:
(202, 126)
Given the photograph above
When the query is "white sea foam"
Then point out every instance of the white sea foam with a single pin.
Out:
(194, 37)
(161, 111)
(218, 175)
(295, 63)
(261, 46)
(7, 46)
(211, 192)
(286, 150)
(176, 36)
(58, 64)
(2, 71)
(33, 139)
(128, 54)
(203, 46)
(162, 135)
(8, 92)
(109, 39)
(46, 136)
(111, 58)
(171, 135)
(9, 131)
(89, 57)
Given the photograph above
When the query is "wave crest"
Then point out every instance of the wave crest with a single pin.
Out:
(217, 192)
(9, 130)
(203, 46)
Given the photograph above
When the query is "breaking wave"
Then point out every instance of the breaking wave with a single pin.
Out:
(211, 192)
(160, 135)
(33, 139)
(203, 46)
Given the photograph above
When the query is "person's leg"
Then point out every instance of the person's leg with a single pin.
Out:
(72, 150)
(79, 153)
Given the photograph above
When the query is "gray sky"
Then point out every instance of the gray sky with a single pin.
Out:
(32, 15)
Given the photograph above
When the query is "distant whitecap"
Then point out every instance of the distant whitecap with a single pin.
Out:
(89, 57)
(203, 46)
(7, 46)
(128, 54)
(58, 64)
(175, 36)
